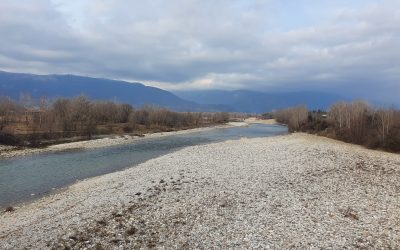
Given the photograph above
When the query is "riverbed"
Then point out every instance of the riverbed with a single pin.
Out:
(293, 191)
(32, 176)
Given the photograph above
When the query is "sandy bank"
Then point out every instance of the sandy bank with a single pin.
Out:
(261, 121)
(8, 151)
(294, 191)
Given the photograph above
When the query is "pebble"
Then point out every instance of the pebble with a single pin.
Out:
(296, 191)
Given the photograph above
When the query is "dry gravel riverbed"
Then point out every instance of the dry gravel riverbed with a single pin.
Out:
(294, 191)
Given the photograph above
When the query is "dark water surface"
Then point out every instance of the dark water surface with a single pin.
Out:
(30, 177)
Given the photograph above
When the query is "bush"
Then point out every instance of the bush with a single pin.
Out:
(9, 139)
(315, 124)
(34, 140)
(9, 209)
(127, 129)
(393, 140)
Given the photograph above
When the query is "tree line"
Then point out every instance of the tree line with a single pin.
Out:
(31, 121)
(355, 122)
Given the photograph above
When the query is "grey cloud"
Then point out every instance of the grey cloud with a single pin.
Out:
(206, 44)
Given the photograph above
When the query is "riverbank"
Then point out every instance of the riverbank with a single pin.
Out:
(112, 140)
(298, 191)
(261, 121)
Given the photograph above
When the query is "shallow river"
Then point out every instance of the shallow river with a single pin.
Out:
(29, 177)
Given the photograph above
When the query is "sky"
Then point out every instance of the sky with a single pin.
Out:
(349, 47)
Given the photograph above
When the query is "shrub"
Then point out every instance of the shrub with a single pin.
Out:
(9, 209)
(392, 142)
(9, 139)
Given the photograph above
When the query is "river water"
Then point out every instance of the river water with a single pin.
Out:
(30, 177)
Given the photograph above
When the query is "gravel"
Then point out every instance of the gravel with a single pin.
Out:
(293, 191)
(4, 149)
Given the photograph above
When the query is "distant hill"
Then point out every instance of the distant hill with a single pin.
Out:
(259, 102)
(136, 94)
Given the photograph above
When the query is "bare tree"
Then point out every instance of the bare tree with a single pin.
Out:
(62, 114)
(385, 120)
(8, 109)
(298, 116)
(337, 114)
(82, 116)
(124, 111)
(293, 117)
(351, 120)
(43, 108)
(26, 101)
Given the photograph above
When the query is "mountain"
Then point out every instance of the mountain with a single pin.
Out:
(259, 102)
(136, 94)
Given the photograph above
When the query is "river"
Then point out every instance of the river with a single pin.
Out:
(30, 177)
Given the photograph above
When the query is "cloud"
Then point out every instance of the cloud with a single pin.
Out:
(229, 44)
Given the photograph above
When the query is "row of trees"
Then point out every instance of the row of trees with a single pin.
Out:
(356, 118)
(356, 122)
(80, 116)
(294, 117)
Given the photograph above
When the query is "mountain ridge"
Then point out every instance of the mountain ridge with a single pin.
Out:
(259, 102)
(138, 94)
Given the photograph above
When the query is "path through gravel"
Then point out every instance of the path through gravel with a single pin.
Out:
(294, 191)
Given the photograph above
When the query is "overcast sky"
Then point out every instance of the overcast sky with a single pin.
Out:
(343, 46)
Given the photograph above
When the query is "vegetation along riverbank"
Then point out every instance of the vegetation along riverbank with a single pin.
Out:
(355, 122)
(43, 122)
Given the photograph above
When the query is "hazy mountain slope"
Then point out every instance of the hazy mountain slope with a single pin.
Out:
(13, 84)
(253, 101)
(137, 94)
